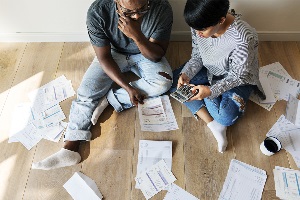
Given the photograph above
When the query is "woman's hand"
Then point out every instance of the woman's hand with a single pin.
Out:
(183, 80)
(203, 92)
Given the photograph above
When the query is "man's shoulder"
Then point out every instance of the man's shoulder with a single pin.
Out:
(101, 4)
(160, 3)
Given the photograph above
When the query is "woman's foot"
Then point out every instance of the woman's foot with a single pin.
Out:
(219, 132)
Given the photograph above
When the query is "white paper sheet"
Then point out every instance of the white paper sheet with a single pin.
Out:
(28, 136)
(270, 98)
(49, 117)
(151, 152)
(156, 115)
(287, 183)
(155, 179)
(22, 116)
(177, 193)
(81, 187)
(293, 110)
(288, 135)
(51, 93)
(243, 181)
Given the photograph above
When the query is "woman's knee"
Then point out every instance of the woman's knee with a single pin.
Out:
(230, 110)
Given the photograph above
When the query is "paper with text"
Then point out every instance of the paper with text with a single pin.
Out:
(156, 115)
(51, 93)
(155, 179)
(177, 193)
(151, 152)
(243, 181)
(287, 183)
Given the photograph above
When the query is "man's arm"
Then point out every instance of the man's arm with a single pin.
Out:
(111, 68)
(152, 49)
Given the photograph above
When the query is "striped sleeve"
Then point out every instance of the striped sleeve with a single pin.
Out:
(195, 64)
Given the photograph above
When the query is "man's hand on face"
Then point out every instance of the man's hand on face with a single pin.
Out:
(130, 27)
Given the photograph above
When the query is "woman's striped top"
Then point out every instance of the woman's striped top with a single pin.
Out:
(233, 56)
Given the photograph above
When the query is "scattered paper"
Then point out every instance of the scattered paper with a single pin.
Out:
(287, 183)
(155, 179)
(22, 116)
(177, 193)
(277, 85)
(293, 110)
(156, 115)
(243, 181)
(51, 93)
(151, 152)
(81, 187)
(288, 135)
(41, 118)
(28, 136)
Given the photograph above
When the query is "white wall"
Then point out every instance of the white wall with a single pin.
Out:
(64, 20)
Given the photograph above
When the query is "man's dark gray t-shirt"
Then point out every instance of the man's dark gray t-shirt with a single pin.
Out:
(102, 25)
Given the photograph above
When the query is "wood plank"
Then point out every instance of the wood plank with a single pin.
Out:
(10, 57)
(111, 170)
(36, 62)
(205, 167)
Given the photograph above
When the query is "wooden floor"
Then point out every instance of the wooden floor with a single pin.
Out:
(111, 157)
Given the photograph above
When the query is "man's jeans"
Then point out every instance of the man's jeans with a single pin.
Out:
(226, 108)
(96, 84)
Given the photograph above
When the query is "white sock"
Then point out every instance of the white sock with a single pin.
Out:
(62, 158)
(103, 103)
(219, 132)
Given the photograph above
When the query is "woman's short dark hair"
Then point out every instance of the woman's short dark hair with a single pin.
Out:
(200, 14)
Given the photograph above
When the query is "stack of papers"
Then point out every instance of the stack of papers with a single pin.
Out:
(243, 181)
(293, 110)
(151, 152)
(288, 134)
(154, 171)
(155, 179)
(277, 85)
(43, 116)
(156, 115)
(81, 187)
(287, 183)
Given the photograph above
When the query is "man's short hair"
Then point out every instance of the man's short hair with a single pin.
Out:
(200, 14)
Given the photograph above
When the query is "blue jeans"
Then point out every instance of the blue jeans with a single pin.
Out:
(226, 108)
(96, 84)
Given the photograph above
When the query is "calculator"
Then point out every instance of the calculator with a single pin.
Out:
(183, 93)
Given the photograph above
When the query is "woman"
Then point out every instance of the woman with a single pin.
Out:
(223, 67)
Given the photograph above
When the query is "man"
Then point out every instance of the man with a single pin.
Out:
(127, 35)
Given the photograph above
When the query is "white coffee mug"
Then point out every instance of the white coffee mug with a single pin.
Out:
(270, 146)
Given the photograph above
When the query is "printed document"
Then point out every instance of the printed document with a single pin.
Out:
(151, 152)
(156, 115)
(155, 179)
(177, 193)
(287, 183)
(243, 181)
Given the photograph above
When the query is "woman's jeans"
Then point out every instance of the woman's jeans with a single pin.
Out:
(155, 79)
(226, 108)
